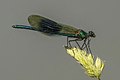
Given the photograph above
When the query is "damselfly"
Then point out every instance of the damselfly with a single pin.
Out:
(50, 27)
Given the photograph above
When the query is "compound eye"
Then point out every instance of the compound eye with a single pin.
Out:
(92, 34)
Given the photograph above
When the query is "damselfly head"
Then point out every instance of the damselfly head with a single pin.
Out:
(91, 34)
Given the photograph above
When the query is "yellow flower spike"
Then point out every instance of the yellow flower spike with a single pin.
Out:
(90, 58)
(93, 69)
(70, 52)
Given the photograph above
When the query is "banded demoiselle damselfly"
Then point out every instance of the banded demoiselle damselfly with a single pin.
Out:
(50, 27)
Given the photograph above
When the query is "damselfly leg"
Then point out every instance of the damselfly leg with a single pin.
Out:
(69, 42)
(89, 45)
(85, 45)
